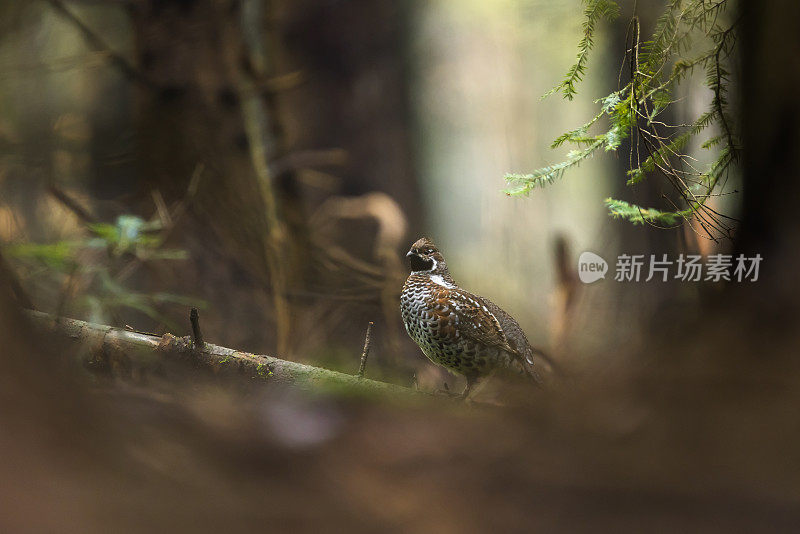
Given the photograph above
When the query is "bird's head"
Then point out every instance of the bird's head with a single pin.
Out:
(425, 257)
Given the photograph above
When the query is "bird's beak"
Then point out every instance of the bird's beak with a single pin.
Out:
(409, 253)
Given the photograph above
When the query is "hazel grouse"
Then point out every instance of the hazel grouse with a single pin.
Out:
(461, 331)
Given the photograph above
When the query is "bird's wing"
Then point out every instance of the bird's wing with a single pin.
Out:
(483, 321)
(519, 341)
(513, 331)
(471, 317)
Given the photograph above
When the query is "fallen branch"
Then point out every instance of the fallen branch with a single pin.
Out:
(120, 350)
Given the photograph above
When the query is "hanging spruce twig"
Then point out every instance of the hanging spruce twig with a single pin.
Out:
(658, 64)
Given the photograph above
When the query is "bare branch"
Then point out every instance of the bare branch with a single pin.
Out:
(197, 336)
(365, 353)
(97, 44)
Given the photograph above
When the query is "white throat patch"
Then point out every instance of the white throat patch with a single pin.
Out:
(437, 279)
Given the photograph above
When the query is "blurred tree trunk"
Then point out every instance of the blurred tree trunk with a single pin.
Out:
(355, 95)
(338, 127)
(353, 98)
(771, 114)
(205, 111)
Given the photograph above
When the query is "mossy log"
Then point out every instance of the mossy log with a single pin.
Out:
(121, 351)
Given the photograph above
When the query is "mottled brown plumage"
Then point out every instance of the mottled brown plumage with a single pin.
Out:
(463, 332)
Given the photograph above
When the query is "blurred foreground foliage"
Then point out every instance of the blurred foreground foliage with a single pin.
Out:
(91, 271)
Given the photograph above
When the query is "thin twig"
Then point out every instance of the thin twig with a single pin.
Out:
(260, 124)
(365, 353)
(71, 204)
(197, 336)
(99, 45)
(303, 159)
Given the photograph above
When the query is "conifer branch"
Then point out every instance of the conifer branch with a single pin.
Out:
(658, 66)
(595, 11)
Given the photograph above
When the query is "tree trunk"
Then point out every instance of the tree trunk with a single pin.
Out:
(771, 114)
(204, 110)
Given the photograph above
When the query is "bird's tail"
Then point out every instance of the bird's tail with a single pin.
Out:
(533, 374)
(535, 361)
(543, 358)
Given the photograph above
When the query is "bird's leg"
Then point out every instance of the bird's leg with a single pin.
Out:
(471, 381)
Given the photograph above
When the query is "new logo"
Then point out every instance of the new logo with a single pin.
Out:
(591, 267)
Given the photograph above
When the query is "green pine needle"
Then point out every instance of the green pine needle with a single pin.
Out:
(660, 65)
